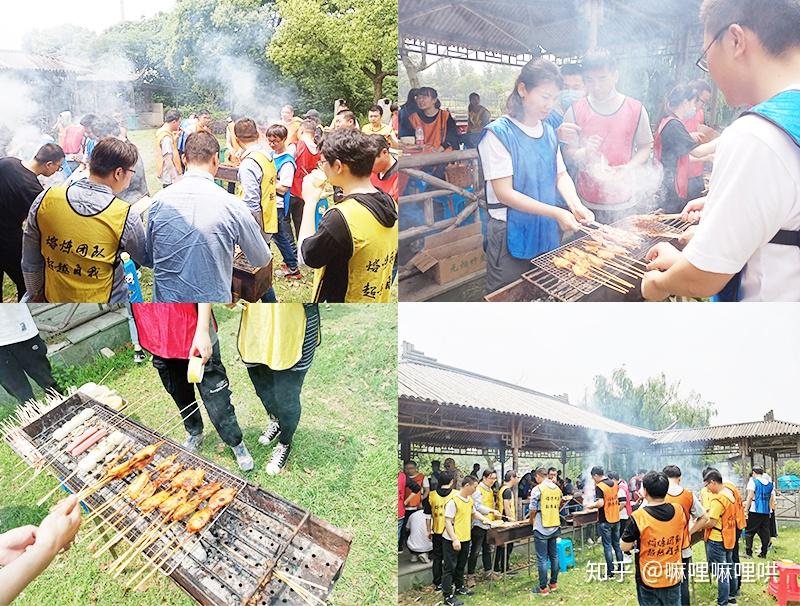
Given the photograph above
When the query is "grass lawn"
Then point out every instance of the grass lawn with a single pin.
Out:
(574, 589)
(341, 466)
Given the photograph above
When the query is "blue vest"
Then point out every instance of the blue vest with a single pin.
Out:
(534, 162)
(762, 496)
(782, 110)
(284, 158)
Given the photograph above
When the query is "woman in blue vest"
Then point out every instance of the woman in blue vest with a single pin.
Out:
(524, 173)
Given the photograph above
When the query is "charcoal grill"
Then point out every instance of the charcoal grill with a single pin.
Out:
(234, 560)
(545, 282)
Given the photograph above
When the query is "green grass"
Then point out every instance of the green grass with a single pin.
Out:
(341, 466)
(574, 589)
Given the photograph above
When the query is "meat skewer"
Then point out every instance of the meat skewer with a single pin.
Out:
(582, 271)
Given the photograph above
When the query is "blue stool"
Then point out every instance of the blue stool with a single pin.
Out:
(566, 555)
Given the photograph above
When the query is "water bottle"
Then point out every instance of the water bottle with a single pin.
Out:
(131, 279)
(419, 136)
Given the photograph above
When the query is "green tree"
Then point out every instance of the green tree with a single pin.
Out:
(337, 49)
(654, 404)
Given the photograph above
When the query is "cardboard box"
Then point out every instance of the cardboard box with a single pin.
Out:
(452, 255)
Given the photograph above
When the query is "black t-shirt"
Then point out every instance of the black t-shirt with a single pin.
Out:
(599, 494)
(676, 142)
(630, 534)
(18, 189)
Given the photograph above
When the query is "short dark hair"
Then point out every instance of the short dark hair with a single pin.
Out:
(678, 95)
(380, 142)
(49, 152)
(549, 469)
(106, 126)
(410, 462)
(200, 147)
(572, 69)
(352, 148)
(597, 471)
(445, 478)
(277, 130)
(427, 91)
(308, 125)
(656, 484)
(540, 471)
(245, 130)
(473, 94)
(347, 115)
(88, 120)
(613, 475)
(376, 108)
(109, 154)
(599, 58)
(469, 480)
(758, 469)
(172, 115)
(700, 86)
(509, 475)
(535, 73)
(203, 112)
(775, 22)
(672, 471)
(488, 471)
(713, 476)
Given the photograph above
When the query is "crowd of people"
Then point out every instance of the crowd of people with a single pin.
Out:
(570, 149)
(327, 197)
(444, 519)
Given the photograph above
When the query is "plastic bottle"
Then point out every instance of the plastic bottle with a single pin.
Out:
(419, 136)
(131, 279)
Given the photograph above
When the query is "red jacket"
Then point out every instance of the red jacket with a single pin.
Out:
(401, 490)
(305, 162)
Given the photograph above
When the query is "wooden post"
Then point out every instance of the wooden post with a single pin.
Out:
(743, 448)
(516, 440)
(405, 450)
(502, 462)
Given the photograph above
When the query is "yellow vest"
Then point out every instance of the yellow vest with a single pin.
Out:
(462, 523)
(162, 132)
(369, 277)
(273, 334)
(499, 506)
(269, 205)
(438, 504)
(550, 505)
(487, 498)
(80, 252)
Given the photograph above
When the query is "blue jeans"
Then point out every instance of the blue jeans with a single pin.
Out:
(285, 241)
(609, 533)
(269, 296)
(664, 596)
(720, 562)
(546, 549)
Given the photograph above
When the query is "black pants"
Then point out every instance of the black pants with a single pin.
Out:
(26, 358)
(11, 265)
(737, 569)
(502, 557)
(453, 566)
(479, 542)
(213, 390)
(436, 558)
(685, 599)
(296, 213)
(279, 391)
(757, 524)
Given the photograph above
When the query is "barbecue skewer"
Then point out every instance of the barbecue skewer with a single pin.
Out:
(167, 558)
(583, 271)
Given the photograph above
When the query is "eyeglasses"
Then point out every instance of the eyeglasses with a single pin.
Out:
(702, 62)
(321, 163)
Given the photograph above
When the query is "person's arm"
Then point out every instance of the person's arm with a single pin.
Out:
(449, 530)
(643, 141)
(566, 187)
(32, 259)
(201, 343)
(167, 159)
(134, 240)
(630, 534)
(751, 493)
(426, 488)
(478, 513)
(452, 140)
(700, 523)
(56, 532)
(330, 242)
(704, 150)
(249, 236)
(285, 178)
(772, 501)
(508, 502)
(506, 194)
(681, 278)
(249, 175)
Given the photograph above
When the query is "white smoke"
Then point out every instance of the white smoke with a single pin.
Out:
(597, 456)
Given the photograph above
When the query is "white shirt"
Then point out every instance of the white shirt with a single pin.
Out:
(754, 193)
(418, 540)
(16, 324)
(496, 162)
(622, 496)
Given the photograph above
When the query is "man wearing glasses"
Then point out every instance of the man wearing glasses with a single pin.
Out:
(747, 245)
(19, 186)
(75, 233)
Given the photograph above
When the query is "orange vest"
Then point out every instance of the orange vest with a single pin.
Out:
(610, 501)
(727, 522)
(416, 499)
(434, 132)
(660, 542)
(685, 500)
(737, 503)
